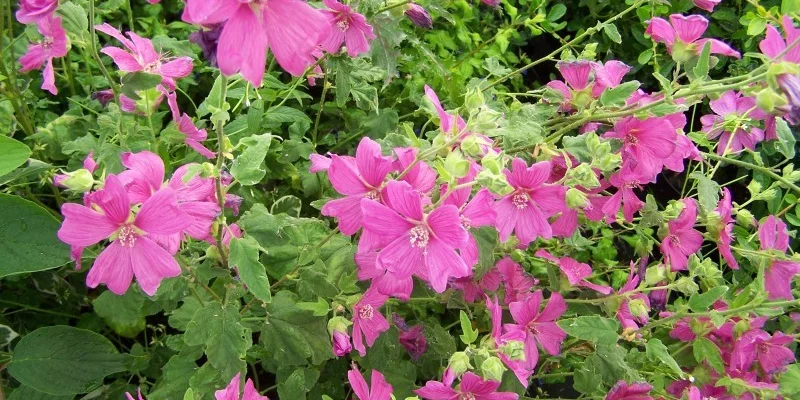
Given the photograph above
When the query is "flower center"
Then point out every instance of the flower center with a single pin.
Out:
(366, 312)
(153, 67)
(126, 236)
(763, 348)
(465, 222)
(675, 240)
(520, 200)
(632, 184)
(373, 195)
(631, 139)
(466, 396)
(343, 25)
(47, 42)
(419, 236)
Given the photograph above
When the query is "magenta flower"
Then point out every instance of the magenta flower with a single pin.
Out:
(231, 392)
(575, 87)
(645, 142)
(631, 318)
(724, 208)
(357, 178)
(291, 29)
(53, 45)
(419, 16)
(682, 37)
(707, 5)
(517, 283)
(194, 136)
(341, 343)
(35, 11)
(131, 252)
(774, 45)
(517, 366)
(525, 211)
(318, 163)
(141, 56)
(421, 243)
(411, 338)
(368, 322)
(381, 390)
(635, 391)
(476, 213)
(207, 39)
(682, 240)
(575, 272)
(608, 75)
(778, 275)
(449, 124)
(420, 175)
(538, 326)
(139, 397)
(771, 351)
(348, 27)
(626, 180)
(472, 387)
(733, 123)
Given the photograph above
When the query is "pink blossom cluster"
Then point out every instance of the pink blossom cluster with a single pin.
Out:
(144, 219)
(54, 43)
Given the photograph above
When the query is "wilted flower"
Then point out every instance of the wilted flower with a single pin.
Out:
(707, 5)
(771, 351)
(575, 272)
(411, 338)
(208, 39)
(539, 326)
(634, 391)
(472, 387)
(194, 137)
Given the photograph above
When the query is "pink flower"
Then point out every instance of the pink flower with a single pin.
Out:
(538, 326)
(682, 37)
(194, 136)
(230, 232)
(52, 46)
(575, 272)
(419, 16)
(631, 318)
(734, 111)
(774, 45)
(141, 56)
(707, 5)
(476, 213)
(634, 391)
(341, 343)
(517, 283)
(449, 124)
(132, 252)
(357, 178)
(35, 11)
(411, 338)
(646, 142)
(682, 240)
(772, 354)
(348, 27)
(778, 275)
(139, 397)
(626, 180)
(381, 390)
(231, 392)
(291, 29)
(368, 322)
(723, 209)
(472, 387)
(420, 175)
(421, 243)
(575, 89)
(525, 211)
(318, 163)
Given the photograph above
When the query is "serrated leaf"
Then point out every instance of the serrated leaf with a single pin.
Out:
(707, 191)
(593, 328)
(616, 97)
(786, 140)
(219, 331)
(244, 256)
(701, 302)
(138, 81)
(656, 350)
(124, 314)
(293, 335)
(248, 168)
(469, 334)
(705, 350)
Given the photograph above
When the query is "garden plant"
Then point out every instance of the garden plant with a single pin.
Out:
(387, 199)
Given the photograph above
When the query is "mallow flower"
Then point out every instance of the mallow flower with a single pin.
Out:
(53, 45)
(517, 283)
(381, 390)
(682, 239)
(539, 326)
(368, 322)
(576, 272)
(475, 213)
(682, 36)
(347, 27)
(625, 180)
(778, 274)
(707, 5)
(472, 387)
(770, 351)
(525, 210)
(185, 125)
(291, 29)
(139, 55)
(733, 122)
(647, 142)
(412, 338)
(633, 310)
(232, 391)
(34, 11)
(634, 391)
(132, 251)
(725, 228)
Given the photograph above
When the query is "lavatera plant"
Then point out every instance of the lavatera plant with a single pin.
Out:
(443, 200)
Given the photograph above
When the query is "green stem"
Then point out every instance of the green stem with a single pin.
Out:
(325, 86)
(754, 167)
(37, 309)
(96, 55)
(389, 7)
(220, 189)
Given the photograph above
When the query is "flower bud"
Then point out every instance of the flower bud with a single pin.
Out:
(80, 181)
(338, 324)
(517, 255)
(576, 199)
(514, 349)
(655, 274)
(459, 363)
(456, 165)
(790, 85)
(419, 16)
(341, 344)
(471, 146)
(474, 99)
(485, 119)
(745, 218)
(686, 286)
(740, 328)
(492, 368)
(495, 183)
(493, 163)
(768, 99)
(638, 308)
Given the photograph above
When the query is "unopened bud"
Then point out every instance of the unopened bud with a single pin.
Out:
(492, 368)
(459, 363)
(768, 99)
(514, 349)
(655, 274)
(474, 99)
(470, 146)
(338, 324)
(456, 164)
(576, 199)
(419, 16)
(686, 286)
(79, 181)
(638, 308)
(745, 218)
(740, 328)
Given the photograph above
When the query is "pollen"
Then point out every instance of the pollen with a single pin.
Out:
(126, 236)
(366, 312)
(343, 25)
(520, 200)
(419, 236)
(465, 222)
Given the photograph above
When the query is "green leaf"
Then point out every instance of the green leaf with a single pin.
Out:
(707, 191)
(587, 380)
(789, 382)
(219, 330)
(74, 18)
(609, 361)
(297, 384)
(786, 139)
(611, 31)
(248, 168)
(593, 328)
(14, 154)
(319, 308)
(28, 241)
(470, 334)
(656, 350)
(616, 97)
(124, 314)
(701, 302)
(556, 12)
(790, 6)
(705, 350)
(137, 81)
(62, 360)
(6, 335)
(701, 68)
(26, 393)
(290, 205)
(293, 335)
(244, 256)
